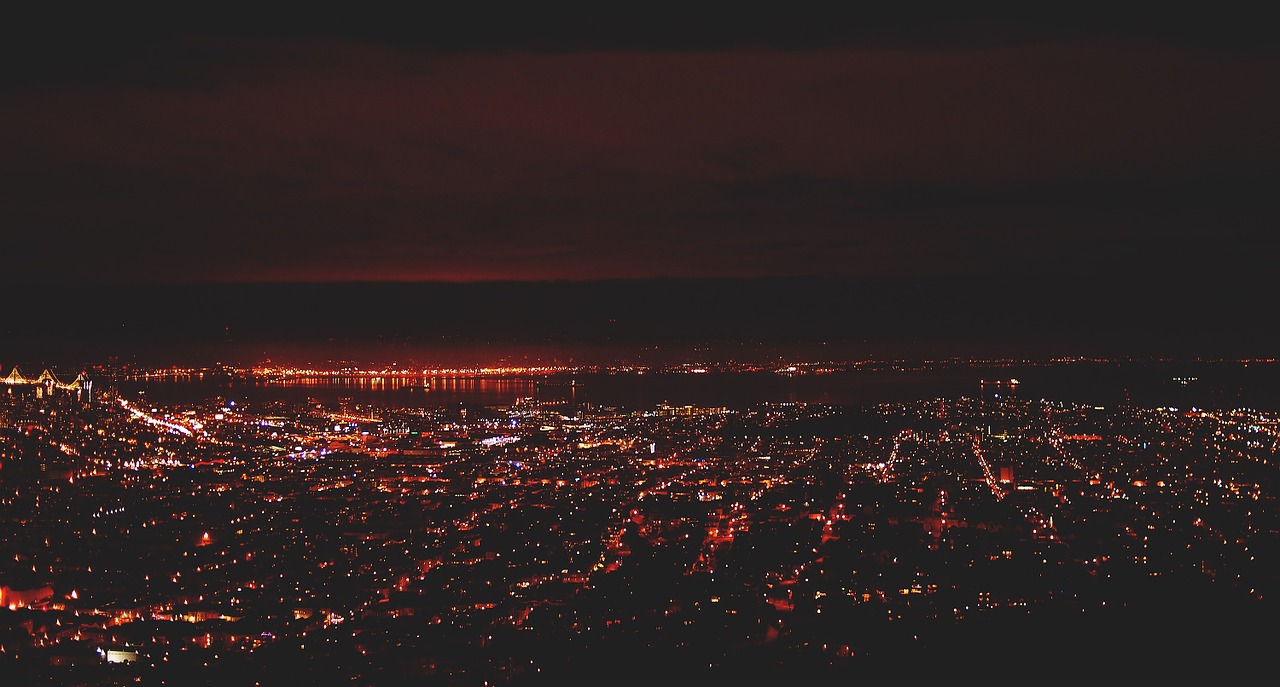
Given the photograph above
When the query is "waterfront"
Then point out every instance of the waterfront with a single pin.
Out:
(1151, 384)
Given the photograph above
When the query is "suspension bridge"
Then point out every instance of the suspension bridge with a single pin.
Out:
(48, 380)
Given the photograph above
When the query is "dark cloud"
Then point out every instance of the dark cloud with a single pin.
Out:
(335, 159)
(1013, 161)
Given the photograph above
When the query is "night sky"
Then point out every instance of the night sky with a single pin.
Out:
(994, 181)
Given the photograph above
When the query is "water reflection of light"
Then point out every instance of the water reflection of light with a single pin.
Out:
(480, 383)
(362, 382)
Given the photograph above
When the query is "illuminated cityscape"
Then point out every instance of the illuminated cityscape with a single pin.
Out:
(510, 345)
(221, 542)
